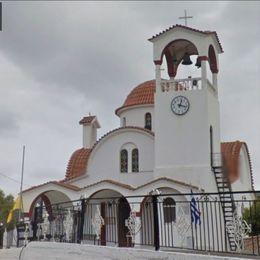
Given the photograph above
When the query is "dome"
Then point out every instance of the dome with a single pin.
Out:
(140, 95)
(78, 163)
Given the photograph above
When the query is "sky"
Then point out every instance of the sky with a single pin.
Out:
(60, 61)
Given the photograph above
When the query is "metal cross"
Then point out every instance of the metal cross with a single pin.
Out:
(185, 17)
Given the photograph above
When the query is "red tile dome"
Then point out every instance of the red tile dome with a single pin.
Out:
(140, 95)
(78, 163)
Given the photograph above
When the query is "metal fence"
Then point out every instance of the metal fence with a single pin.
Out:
(175, 221)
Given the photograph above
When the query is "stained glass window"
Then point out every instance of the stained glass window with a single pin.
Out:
(148, 121)
(124, 161)
(135, 160)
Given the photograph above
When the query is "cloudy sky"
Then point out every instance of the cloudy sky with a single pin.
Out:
(61, 60)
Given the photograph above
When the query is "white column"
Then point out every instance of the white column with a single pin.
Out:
(158, 77)
(204, 74)
(88, 136)
(215, 81)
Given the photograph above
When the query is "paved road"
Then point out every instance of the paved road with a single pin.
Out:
(65, 251)
(10, 254)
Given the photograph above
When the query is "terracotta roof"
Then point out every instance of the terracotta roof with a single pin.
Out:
(65, 185)
(230, 156)
(124, 128)
(86, 120)
(140, 95)
(171, 180)
(126, 186)
(129, 187)
(188, 28)
(78, 163)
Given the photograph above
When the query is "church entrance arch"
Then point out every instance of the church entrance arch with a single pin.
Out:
(45, 200)
(123, 213)
(44, 203)
(114, 210)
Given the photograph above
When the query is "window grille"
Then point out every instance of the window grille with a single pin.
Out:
(135, 160)
(124, 161)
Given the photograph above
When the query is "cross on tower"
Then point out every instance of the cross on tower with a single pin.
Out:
(185, 17)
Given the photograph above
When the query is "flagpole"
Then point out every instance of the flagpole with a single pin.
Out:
(21, 187)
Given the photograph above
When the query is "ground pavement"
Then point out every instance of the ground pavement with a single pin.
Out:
(66, 251)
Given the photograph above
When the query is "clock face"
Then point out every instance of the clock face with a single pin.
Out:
(180, 105)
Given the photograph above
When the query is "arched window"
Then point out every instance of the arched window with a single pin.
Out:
(211, 145)
(124, 121)
(123, 161)
(135, 160)
(148, 121)
(169, 210)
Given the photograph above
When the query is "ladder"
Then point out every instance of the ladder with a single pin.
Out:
(227, 202)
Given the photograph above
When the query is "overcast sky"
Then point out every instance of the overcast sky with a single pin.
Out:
(61, 60)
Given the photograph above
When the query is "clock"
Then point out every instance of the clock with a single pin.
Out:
(180, 105)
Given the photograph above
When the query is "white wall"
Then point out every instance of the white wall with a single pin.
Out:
(104, 162)
(182, 142)
(62, 194)
(135, 116)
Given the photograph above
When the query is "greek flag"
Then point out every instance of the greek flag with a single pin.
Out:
(195, 213)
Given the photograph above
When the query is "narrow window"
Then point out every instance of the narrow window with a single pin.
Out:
(169, 210)
(148, 121)
(135, 160)
(124, 161)
(211, 146)
(124, 122)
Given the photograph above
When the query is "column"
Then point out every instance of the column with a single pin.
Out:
(215, 81)
(204, 73)
(158, 77)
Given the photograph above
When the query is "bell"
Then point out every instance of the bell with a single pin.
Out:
(186, 59)
(198, 63)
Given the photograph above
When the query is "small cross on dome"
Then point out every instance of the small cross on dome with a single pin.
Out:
(185, 17)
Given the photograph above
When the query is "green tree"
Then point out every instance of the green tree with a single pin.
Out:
(6, 204)
(252, 216)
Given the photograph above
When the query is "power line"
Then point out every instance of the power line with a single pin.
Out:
(12, 179)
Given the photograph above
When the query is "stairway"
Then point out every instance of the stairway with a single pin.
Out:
(227, 201)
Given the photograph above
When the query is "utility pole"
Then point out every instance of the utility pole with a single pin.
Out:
(21, 187)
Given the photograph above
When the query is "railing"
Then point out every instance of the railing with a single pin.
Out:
(216, 159)
(181, 84)
(184, 85)
(178, 221)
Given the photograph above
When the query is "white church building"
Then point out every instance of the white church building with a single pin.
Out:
(168, 139)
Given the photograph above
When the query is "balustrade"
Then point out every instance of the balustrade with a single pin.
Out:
(187, 84)
(181, 84)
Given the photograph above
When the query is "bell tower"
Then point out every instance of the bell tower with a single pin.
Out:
(187, 129)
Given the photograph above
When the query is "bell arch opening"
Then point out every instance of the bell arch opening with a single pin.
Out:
(176, 55)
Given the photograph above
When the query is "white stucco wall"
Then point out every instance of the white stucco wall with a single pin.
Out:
(182, 142)
(55, 193)
(202, 42)
(104, 162)
(135, 116)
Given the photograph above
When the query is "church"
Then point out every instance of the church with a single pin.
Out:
(167, 142)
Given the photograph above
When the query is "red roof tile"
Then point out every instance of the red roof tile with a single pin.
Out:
(140, 95)
(230, 156)
(86, 120)
(188, 28)
(77, 165)
(65, 185)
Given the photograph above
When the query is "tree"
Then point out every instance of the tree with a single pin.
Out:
(252, 216)
(6, 204)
